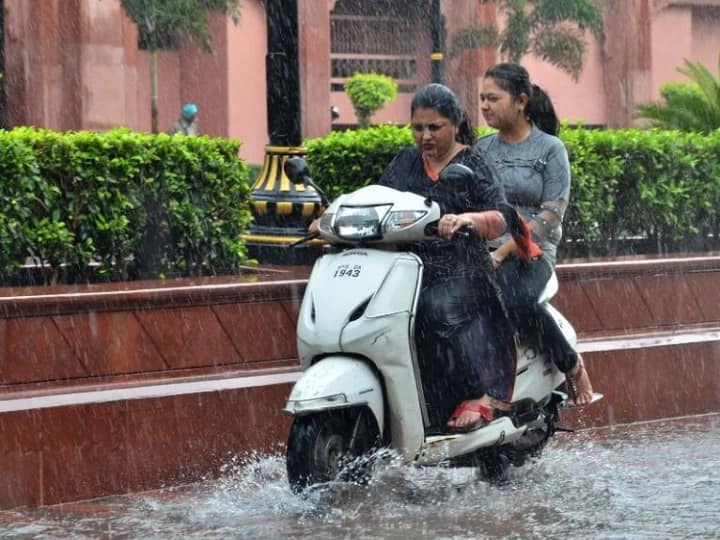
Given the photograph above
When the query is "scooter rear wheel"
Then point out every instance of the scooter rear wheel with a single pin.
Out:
(321, 446)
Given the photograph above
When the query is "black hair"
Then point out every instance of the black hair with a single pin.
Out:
(443, 100)
(515, 79)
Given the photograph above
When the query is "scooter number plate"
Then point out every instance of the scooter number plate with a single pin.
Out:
(347, 270)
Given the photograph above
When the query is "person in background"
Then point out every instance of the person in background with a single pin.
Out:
(533, 165)
(187, 123)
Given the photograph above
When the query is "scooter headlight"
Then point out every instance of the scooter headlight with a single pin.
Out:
(402, 219)
(360, 222)
(325, 225)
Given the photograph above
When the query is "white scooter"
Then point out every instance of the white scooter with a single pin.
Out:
(361, 388)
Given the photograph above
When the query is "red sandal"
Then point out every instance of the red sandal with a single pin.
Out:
(486, 415)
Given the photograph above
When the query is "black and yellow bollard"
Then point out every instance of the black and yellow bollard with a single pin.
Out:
(282, 212)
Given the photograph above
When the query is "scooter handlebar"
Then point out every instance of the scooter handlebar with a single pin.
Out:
(311, 236)
(464, 232)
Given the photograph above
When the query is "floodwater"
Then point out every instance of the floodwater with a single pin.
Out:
(654, 480)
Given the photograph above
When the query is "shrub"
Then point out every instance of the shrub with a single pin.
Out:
(369, 92)
(655, 191)
(30, 224)
(121, 205)
(346, 160)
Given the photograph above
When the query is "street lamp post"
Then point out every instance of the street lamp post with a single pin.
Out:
(436, 32)
(281, 210)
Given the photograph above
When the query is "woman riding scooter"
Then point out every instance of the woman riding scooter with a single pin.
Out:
(466, 346)
(534, 168)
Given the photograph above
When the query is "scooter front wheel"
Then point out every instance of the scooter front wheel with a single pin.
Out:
(324, 446)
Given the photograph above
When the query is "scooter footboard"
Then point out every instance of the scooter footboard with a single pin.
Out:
(337, 382)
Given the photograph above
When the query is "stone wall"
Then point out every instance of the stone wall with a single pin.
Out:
(108, 389)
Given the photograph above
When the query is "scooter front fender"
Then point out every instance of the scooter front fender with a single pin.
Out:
(337, 382)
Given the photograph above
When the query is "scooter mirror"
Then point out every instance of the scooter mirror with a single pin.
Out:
(297, 170)
(456, 180)
(456, 175)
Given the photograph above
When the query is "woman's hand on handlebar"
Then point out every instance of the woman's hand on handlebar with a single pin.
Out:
(449, 224)
(487, 224)
(314, 226)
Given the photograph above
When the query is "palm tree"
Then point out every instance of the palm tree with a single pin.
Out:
(552, 30)
(164, 24)
(693, 106)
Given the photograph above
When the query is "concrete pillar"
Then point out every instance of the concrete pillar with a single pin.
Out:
(627, 59)
(314, 23)
(464, 73)
(42, 59)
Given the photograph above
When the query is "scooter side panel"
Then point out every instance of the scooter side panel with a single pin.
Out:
(564, 325)
(339, 284)
(537, 376)
(385, 335)
(442, 447)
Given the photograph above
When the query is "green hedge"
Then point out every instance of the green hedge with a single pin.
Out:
(120, 205)
(648, 191)
(346, 160)
(123, 205)
(661, 186)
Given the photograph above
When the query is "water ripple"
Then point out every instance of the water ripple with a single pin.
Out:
(646, 481)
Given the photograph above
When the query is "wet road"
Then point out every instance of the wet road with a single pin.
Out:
(657, 480)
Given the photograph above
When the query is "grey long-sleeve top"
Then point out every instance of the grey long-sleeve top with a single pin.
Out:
(536, 176)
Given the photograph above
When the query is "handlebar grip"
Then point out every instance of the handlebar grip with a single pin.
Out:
(464, 232)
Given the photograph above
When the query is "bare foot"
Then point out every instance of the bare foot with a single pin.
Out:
(474, 413)
(578, 384)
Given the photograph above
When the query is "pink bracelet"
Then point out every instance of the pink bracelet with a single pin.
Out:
(495, 224)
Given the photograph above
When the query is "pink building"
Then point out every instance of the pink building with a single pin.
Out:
(75, 64)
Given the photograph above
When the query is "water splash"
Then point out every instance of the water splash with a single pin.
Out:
(642, 481)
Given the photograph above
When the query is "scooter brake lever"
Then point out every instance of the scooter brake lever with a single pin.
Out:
(464, 232)
(311, 236)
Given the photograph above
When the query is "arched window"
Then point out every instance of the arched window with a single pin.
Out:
(380, 36)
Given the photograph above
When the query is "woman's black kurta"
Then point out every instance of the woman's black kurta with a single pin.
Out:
(466, 347)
